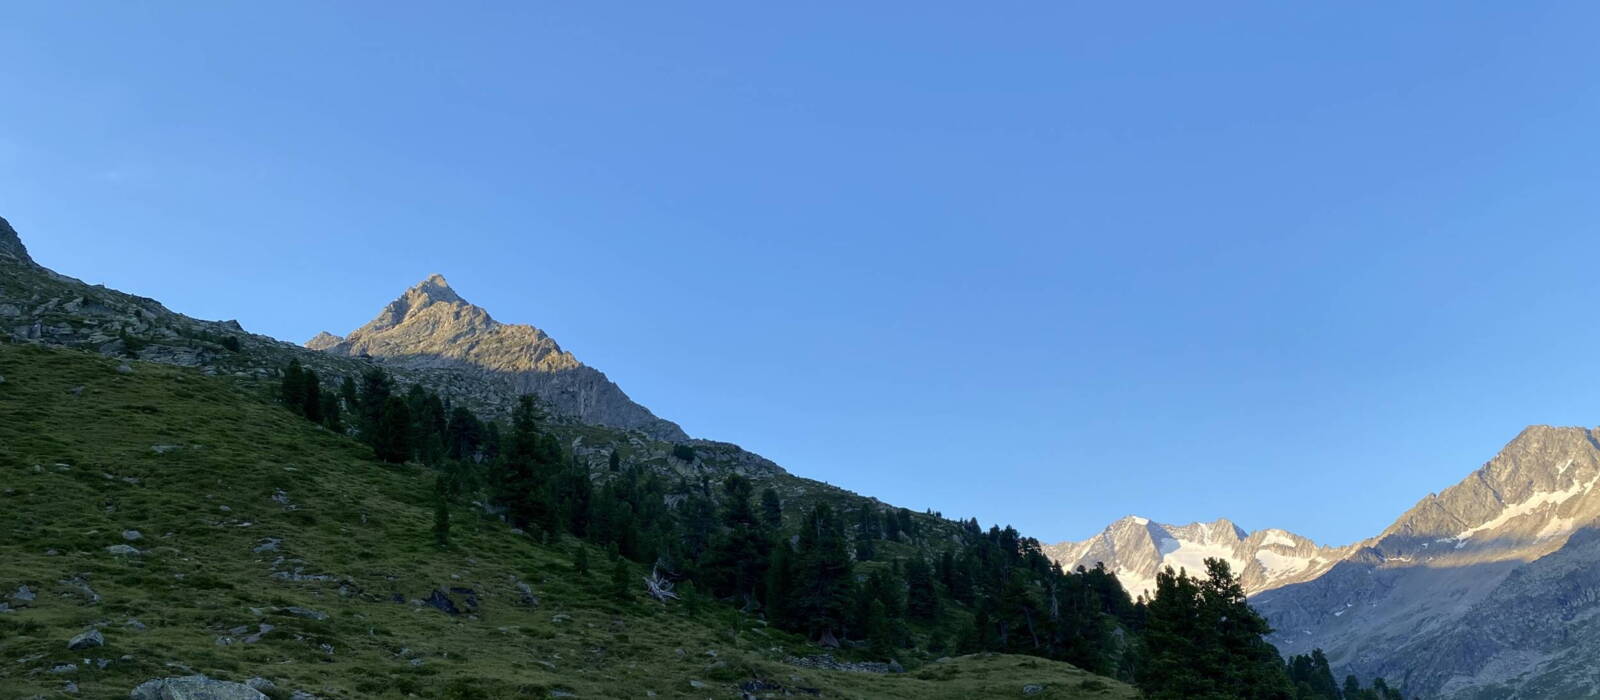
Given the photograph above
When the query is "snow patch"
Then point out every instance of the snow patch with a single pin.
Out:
(1278, 537)
(1533, 504)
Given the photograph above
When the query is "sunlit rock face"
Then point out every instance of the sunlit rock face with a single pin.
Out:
(1490, 588)
(1488, 584)
(1136, 548)
(431, 327)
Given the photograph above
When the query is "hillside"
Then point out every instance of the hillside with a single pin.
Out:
(269, 547)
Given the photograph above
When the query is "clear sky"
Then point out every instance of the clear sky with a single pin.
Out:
(1044, 264)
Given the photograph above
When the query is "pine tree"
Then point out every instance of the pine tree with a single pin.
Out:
(392, 439)
(822, 588)
(376, 390)
(771, 509)
(330, 412)
(614, 462)
(292, 390)
(580, 560)
(311, 397)
(922, 598)
(525, 468)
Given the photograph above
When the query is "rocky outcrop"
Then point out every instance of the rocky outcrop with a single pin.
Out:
(11, 247)
(194, 688)
(430, 327)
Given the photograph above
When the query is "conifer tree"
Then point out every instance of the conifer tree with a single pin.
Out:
(524, 470)
(376, 388)
(823, 584)
(580, 560)
(311, 397)
(771, 509)
(292, 390)
(392, 440)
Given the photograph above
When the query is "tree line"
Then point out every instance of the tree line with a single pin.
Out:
(878, 579)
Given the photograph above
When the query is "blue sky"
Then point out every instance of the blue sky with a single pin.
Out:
(1046, 264)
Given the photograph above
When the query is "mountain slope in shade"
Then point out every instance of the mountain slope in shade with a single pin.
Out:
(1427, 601)
(432, 327)
(1137, 548)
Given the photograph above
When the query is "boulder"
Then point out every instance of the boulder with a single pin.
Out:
(123, 550)
(132, 535)
(194, 688)
(89, 638)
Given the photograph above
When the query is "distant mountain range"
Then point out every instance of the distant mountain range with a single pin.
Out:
(1489, 589)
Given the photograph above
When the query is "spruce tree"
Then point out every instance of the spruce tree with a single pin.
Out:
(580, 560)
(823, 584)
(524, 469)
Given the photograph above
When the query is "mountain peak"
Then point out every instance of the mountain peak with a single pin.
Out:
(435, 288)
(11, 244)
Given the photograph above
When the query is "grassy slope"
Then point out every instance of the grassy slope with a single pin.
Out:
(76, 469)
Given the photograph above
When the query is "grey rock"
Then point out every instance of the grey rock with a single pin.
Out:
(124, 368)
(261, 684)
(23, 595)
(269, 544)
(87, 639)
(308, 613)
(134, 624)
(438, 600)
(163, 449)
(70, 688)
(1032, 689)
(132, 535)
(194, 688)
(63, 669)
(123, 550)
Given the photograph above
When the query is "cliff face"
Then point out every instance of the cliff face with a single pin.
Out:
(431, 327)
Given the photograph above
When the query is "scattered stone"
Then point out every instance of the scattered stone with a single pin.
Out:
(303, 695)
(5, 608)
(442, 602)
(308, 613)
(60, 669)
(560, 618)
(280, 497)
(225, 641)
(261, 684)
(225, 509)
(52, 552)
(70, 688)
(76, 391)
(132, 535)
(23, 595)
(194, 688)
(269, 544)
(163, 449)
(123, 550)
(77, 583)
(828, 663)
(469, 595)
(562, 694)
(1032, 689)
(697, 685)
(124, 369)
(261, 631)
(89, 638)
(528, 598)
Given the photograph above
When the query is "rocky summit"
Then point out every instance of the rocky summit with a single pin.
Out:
(431, 327)
(1136, 548)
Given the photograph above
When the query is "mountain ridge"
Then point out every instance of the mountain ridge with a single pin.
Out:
(430, 326)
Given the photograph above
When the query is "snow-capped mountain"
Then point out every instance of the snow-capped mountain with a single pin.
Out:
(1137, 548)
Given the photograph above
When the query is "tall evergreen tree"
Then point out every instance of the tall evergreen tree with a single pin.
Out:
(392, 439)
(771, 509)
(523, 472)
(822, 587)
